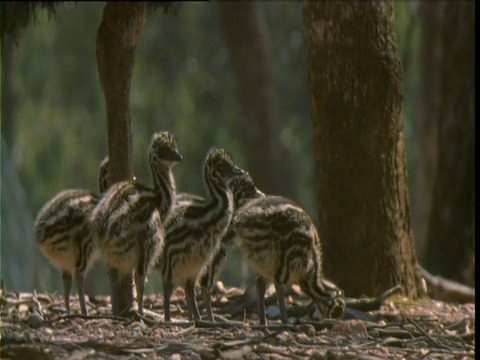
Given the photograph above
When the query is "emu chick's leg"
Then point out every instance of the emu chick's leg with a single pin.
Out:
(260, 286)
(280, 290)
(114, 281)
(191, 300)
(81, 292)
(167, 293)
(140, 285)
(207, 303)
(67, 285)
(125, 297)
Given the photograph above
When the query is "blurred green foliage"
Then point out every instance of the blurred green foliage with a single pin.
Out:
(183, 82)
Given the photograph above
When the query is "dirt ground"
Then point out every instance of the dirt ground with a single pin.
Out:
(33, 326)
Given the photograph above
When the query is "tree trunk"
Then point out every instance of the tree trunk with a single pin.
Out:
(356, 87)
(117, 38)
(451, 230)
(8, 97)
(426, 128)
(246, 36)
(118, 34)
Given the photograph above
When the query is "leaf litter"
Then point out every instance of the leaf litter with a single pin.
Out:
(33, 326)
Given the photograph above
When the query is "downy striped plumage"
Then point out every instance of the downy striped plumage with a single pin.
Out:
(63, 231)
(129, 219)
(282, 245)
(243, 189)
(195, 230)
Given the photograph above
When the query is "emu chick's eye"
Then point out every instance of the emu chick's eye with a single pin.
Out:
(224, 167)
(331, 308)
(337, 308)
(164, 152)
(337, 311)
(251, 191)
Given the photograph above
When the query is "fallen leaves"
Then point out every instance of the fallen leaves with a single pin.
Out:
(34, 326)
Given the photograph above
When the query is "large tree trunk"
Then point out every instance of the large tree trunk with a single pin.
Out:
(425, 129)
(117, 38)
(356, 87)
(246, 36)
(451, 230)
(118, 34)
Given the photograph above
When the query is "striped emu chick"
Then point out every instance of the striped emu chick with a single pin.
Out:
(243, 189)
(129, 219)
(282, 245)
(195, 230)
(64, 232)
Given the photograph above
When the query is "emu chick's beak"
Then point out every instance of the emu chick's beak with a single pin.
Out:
(237, 171)
(176, 156)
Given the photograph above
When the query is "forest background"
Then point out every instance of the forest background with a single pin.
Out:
(54, 129)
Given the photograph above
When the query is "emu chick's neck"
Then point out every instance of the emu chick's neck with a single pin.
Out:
(165, 189)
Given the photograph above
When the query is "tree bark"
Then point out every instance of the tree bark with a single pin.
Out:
(451, 232)
(426, 128)
(246, 36)
(356, 77)
(117, 38)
